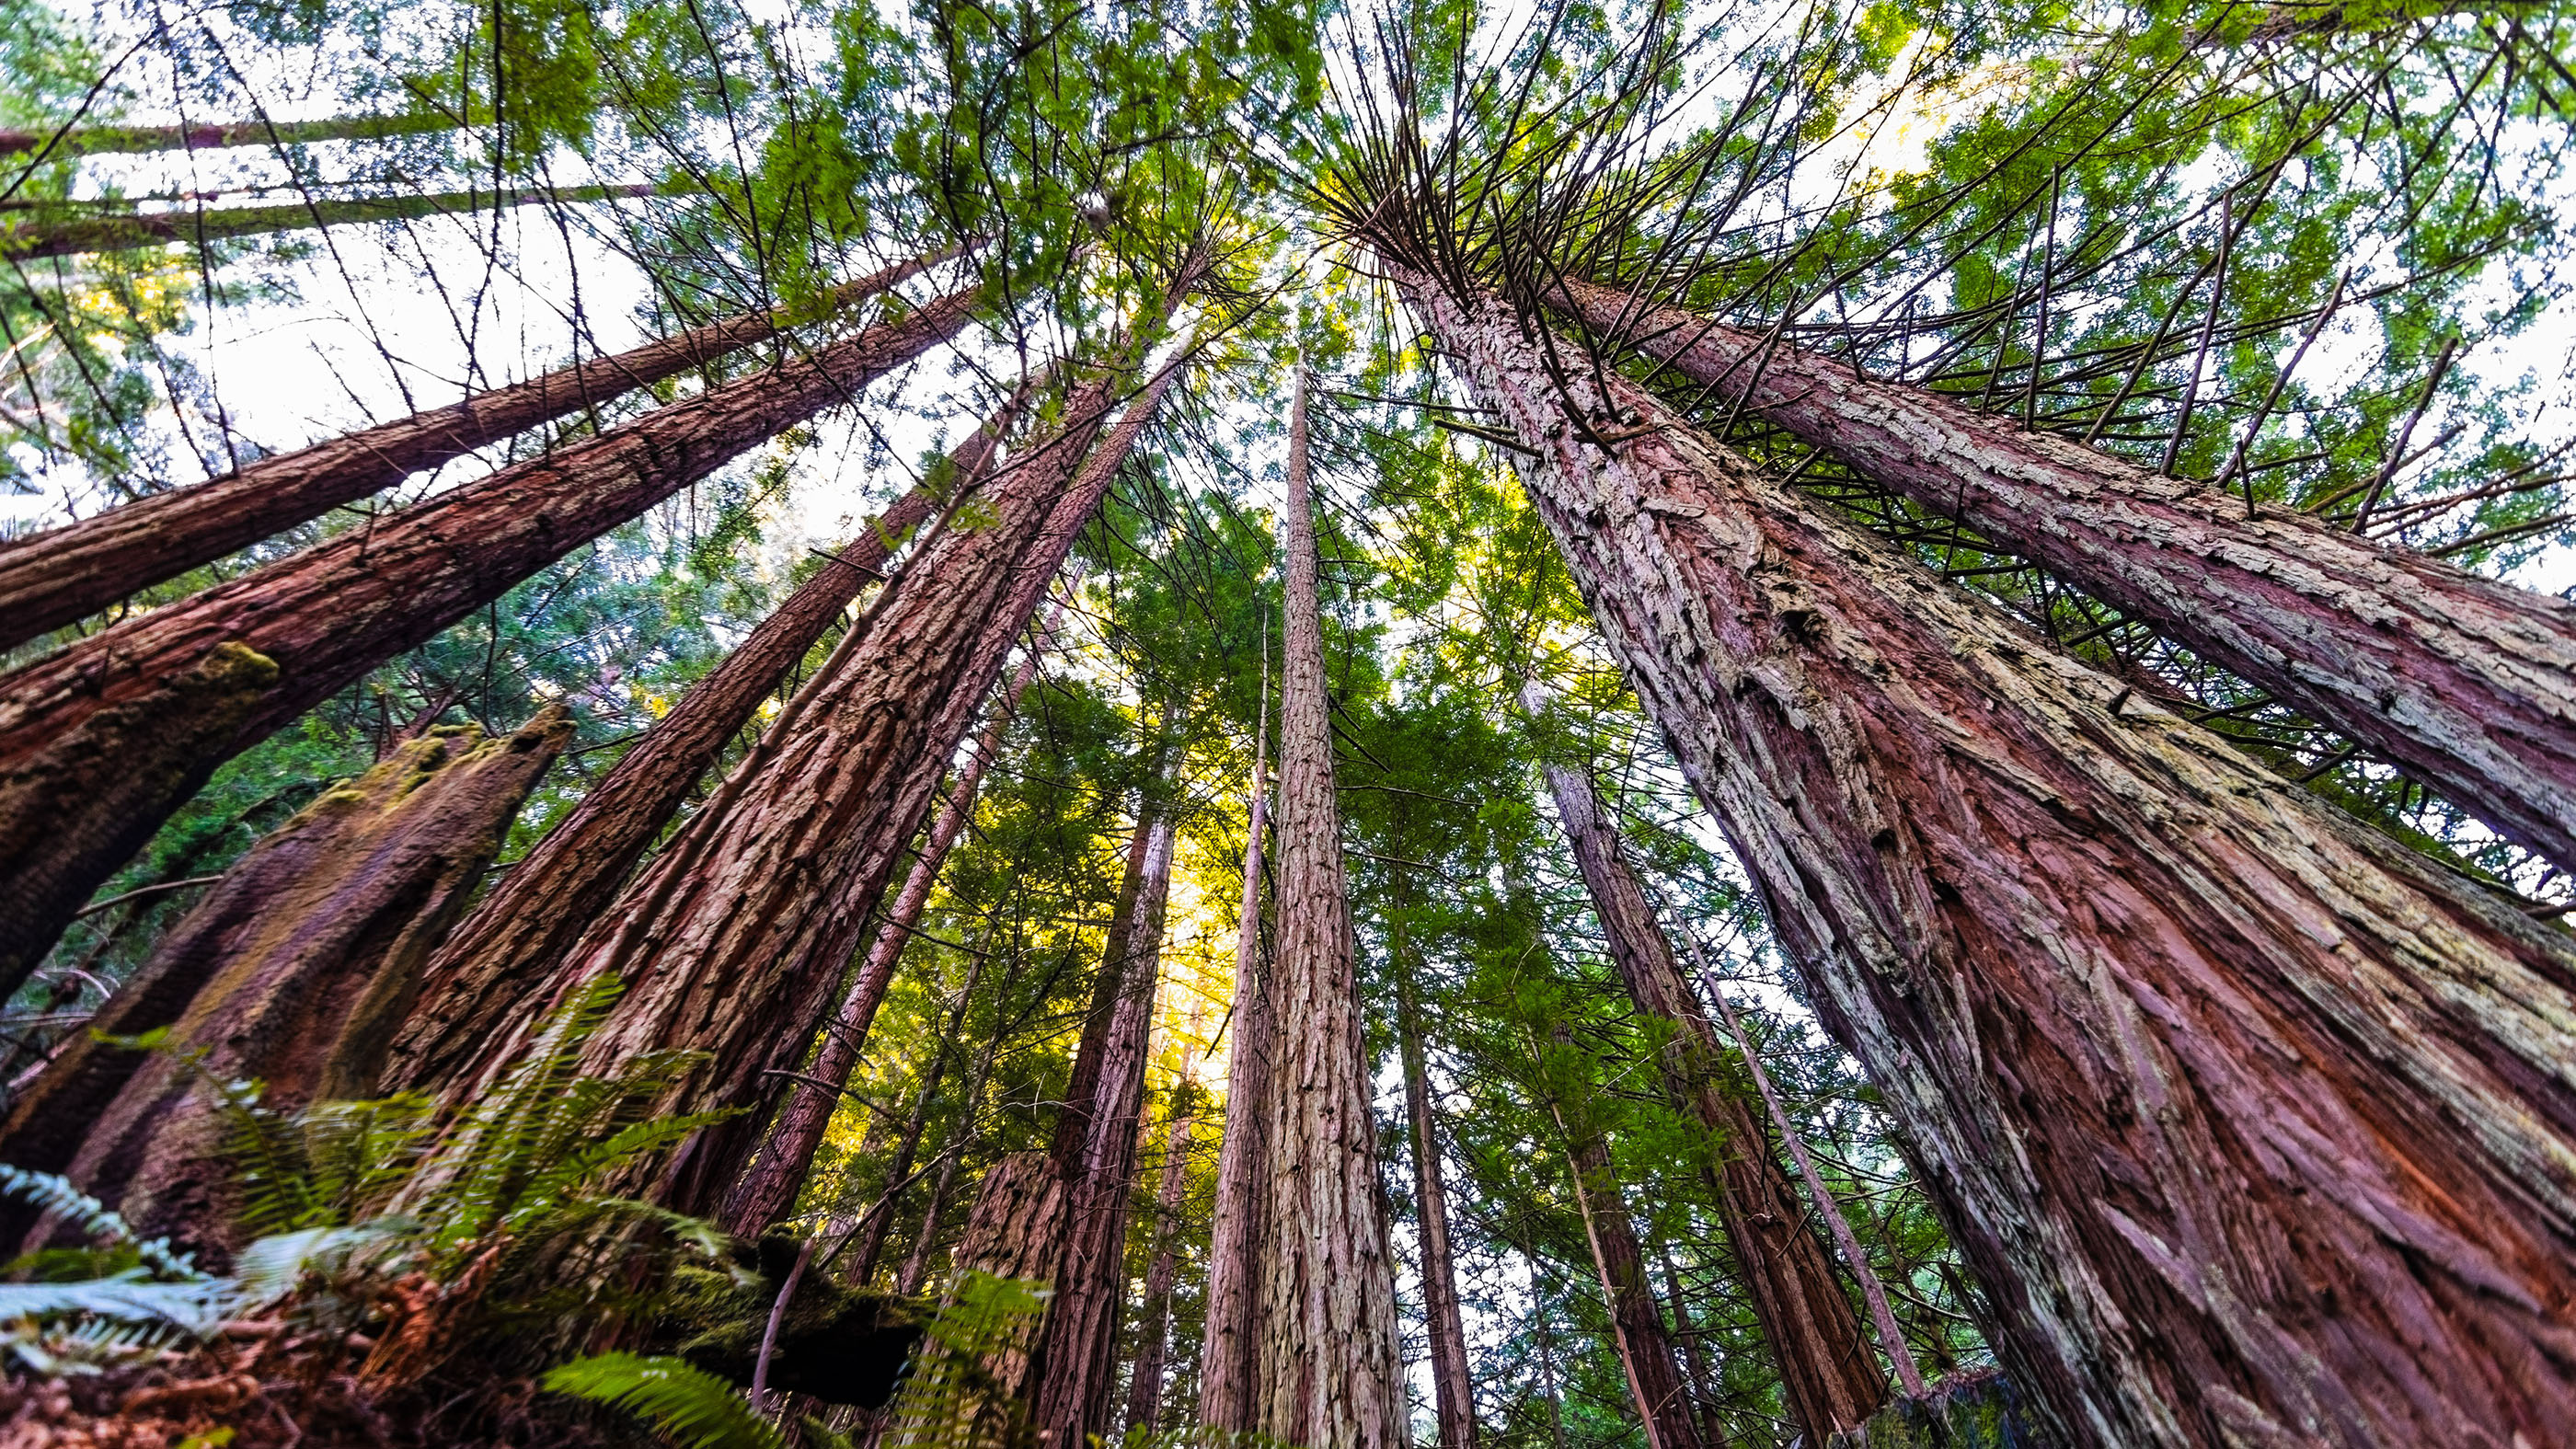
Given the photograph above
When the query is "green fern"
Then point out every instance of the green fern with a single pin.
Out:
(686, 1405)
(948, 1399)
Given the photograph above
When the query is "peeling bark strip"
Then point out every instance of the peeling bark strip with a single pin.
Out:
(1329, 1374)
(106, 706)
(27, 241)
(292, 970)
(766, 1191)
(51, 579)
(2262, 1130)
(2468, 683)
(495, 971)
(1829, 1378)
(1230, 1340)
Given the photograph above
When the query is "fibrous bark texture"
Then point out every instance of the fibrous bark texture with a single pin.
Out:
(2261, 1129)
(1095, 1150)
(1453, 1392)
(1826, 1371)
(497, 969)
(776, 1174)
(99, 743)
(1329, 1373)
(2468, 683)
(51, 579)
(1015, 1230)
(292, 970)
(1230, 1340)
(28, 240)
(1637, 1323)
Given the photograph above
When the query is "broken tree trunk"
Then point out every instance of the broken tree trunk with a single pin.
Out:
(1329, 1371)
(1826, 1372)
(2467, 683)
(1095, 1150)
(1230, 1340)
(788, 1151)
(99, 743)
(495, 970)
(1453, 1391)
(123, 231)
(2260, 1128)
(54, 578)
(1636, 1322)
(292, 970)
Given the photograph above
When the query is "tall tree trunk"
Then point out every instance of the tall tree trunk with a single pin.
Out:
(1703, 1383)
(2468, 683)
(961, 1135)
(785, 1156)
(55, 144)
(1154, 1336)
(1826, 1371)
(733, 940)
(1230, 1335)
(292, 970)
(1637, 1324)
(872, 1233)
(123, 231)
(53, 578)
(1015, 1230)
(1329, 1371)
(1452, 1390)
(2260, 1127)
(1095, 1149)
(99, 743)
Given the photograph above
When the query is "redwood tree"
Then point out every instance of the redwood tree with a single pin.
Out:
(1636, 1321)
(1328, 1368)
(2256, 1124)
(25, 241)
(100, 742)
(1230, 1335)
(1452, 1387)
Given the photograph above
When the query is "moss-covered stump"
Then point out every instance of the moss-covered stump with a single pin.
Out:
(1980, 1410)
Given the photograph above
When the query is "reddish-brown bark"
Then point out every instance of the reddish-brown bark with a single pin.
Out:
(1826, 1372)
(779, 1169)
(1453, 1392)
(1230, 1339)
(1329, 1373)
(1636, 1322)
(29, 240)
(50, 579)
(292, 970)
(2468, 683)
(2260, 1128)
(99, 743)
(1712, 1429)
(1095, 1151)
(497, 967)
(1154, 1329)
(1015, 1230)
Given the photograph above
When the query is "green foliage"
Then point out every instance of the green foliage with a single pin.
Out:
(688, 1406)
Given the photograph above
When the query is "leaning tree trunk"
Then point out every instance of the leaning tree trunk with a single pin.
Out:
(1453, 1391)
(1230, 1335)
(99, 743)
(1826, 1371)
(732, 941)
(1636, 1321)
(787, 1152)
(1329, 1372)
(54, 578)
(113, 140)
(2467, 683)
(291, 971)
(495, 970)
(1154, 1336)
(1095, 1149)
(26, 241)
(2260, 1127)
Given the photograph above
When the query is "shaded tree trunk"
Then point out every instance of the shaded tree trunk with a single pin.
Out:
(1637, 1324)
(1154, 1337)
(785, 1156)
(1452, 1390)
(110, 140)
(2467, 683)
(2260, 1128)
(1095, 1150)
(54, 578)
(1827, 1374)
(1015, 1230)
(292, 970)
(1230, 1335)
(872, 1232)
(99, 743)
(1703, 1383)
(1329, 1370)
(28, 240)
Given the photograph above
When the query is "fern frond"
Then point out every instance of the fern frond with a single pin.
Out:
(55, 1194)
(687, 1405)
